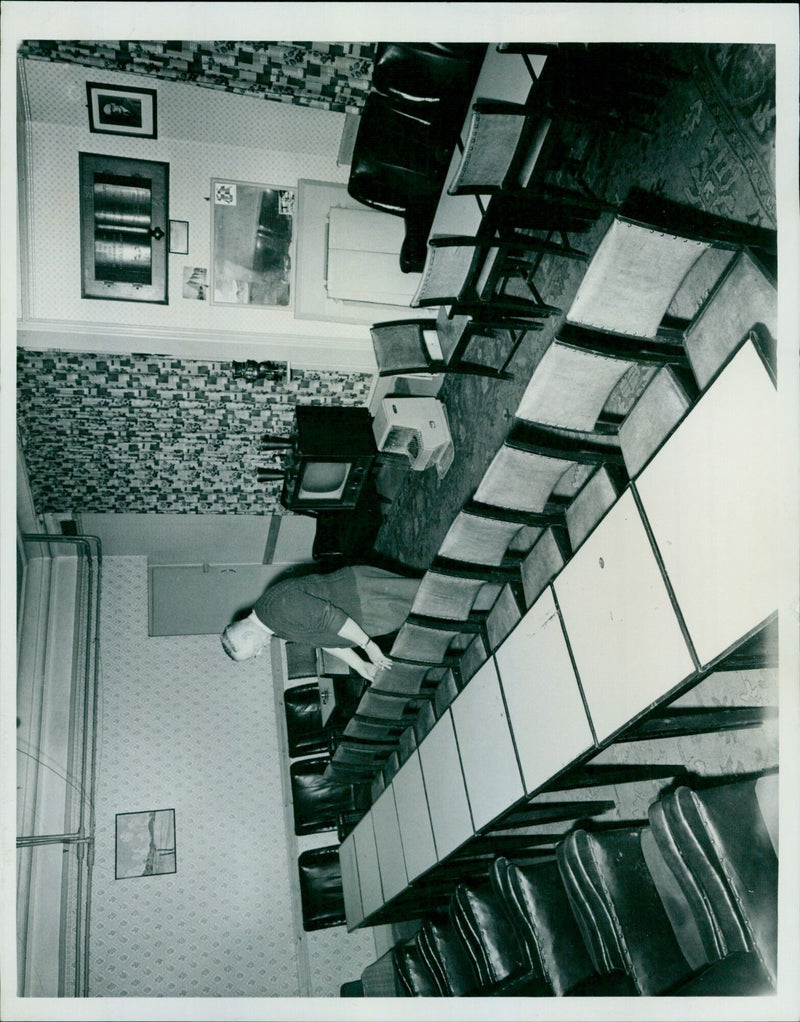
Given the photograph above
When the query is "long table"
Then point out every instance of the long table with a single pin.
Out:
(679, 572)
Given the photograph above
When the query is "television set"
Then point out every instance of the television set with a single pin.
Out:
(330, 460)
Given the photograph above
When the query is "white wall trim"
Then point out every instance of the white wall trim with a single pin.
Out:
(25, 189)
(301, 351)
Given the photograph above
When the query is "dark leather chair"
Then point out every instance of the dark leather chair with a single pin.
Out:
(721, 845)
(318, 800)
(542, 918)
(321, 893)
(618, 909)
(428, 74)
(499, 959)
(304, 719)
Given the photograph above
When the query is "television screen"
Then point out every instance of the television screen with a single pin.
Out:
(323, 480)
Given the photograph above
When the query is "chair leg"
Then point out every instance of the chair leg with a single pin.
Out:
(602, 774)
(549, 812)
(680, 722)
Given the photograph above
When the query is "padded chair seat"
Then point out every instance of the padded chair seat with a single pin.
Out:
(632, 278)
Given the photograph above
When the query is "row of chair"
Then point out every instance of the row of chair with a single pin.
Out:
(683, 904)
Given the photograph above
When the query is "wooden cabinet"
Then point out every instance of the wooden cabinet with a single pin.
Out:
(124, 223)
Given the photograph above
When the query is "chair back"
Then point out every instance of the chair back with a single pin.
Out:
(317, 800)
(632, 278)
(618, 909)
(542, 563)
(659, 408)
(447, 958)
(321, 893)
(399, 346)
(447, 274)
(492, 142)
(718, 845)
(745, 295)
(542, 918)
(587, 508)
(304, 719)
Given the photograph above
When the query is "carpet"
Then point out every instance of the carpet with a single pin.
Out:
(710, 145)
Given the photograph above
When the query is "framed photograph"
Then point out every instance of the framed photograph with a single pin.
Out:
(121, 110)
(145, 844)
(252, 235)
(195, 282)
(179, 237)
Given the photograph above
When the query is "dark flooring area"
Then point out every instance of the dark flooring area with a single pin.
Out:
(709, 144)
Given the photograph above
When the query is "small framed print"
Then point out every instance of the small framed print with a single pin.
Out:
(145, 844)
(179, 237)
(121, 110)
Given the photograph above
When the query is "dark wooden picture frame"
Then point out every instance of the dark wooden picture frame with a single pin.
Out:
(121, 110)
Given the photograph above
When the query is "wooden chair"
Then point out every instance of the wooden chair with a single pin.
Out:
(646, 255)
(401, 347)
(470, 271)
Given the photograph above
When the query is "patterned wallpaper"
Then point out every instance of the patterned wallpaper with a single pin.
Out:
(144, 433)
(332, 76)
(184, 728)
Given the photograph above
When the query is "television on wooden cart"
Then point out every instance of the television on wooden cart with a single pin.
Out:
(330, 460)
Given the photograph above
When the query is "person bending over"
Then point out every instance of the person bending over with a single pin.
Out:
(337, 612)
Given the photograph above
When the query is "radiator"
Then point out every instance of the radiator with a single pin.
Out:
(57, 690)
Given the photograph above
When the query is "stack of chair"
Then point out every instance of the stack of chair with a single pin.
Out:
(684, 906)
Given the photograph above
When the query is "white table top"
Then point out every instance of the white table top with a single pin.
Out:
(353, 910)
(624, 633)
(709, 495)
(416, 831)
(369, 877)
(389, 846)
(545, 709)
(488, 757)
(444, 784)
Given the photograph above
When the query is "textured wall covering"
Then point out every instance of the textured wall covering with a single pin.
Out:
(334, 76)
(183, 727)
(147, 433)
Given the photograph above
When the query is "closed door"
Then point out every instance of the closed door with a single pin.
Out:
(200, 599)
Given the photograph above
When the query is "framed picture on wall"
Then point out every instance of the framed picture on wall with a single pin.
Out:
(145, 844)
(121, 110)
(252, 235)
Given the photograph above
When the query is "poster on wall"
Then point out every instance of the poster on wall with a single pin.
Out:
(252, 233)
